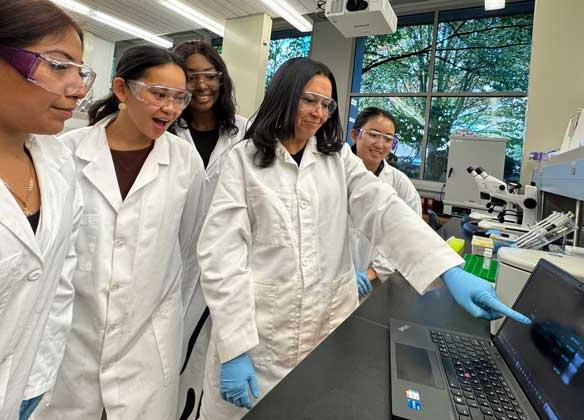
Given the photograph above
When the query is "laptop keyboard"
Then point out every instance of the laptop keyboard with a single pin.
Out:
(477, 387)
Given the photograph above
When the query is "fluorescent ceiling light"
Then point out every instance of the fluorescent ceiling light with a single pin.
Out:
(194, 16)
(494, 4)
(282, 8)
(113, 22)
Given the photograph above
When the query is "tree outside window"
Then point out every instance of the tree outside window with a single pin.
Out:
(459, 70)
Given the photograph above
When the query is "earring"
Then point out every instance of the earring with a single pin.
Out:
(122, 106)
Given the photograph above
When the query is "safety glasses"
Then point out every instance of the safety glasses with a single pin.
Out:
(53, 75)
(312, 100)
(159, 95)
(214, 78)
(391, 140)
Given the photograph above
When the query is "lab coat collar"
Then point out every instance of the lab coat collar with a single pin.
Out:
(48, 155)
(308, 159)
(95, 150)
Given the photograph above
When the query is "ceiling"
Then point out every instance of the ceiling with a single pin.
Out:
(150, 15)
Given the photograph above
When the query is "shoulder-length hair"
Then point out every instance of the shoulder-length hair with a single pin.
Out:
(276, 117)
(132, 65)
(224, 107)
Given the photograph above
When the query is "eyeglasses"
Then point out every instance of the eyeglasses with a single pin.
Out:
(208, 77)
(159, 95)
(312, 100)
(53, 75)
(389, 139)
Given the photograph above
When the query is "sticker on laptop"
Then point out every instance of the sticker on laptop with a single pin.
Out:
(413, 398)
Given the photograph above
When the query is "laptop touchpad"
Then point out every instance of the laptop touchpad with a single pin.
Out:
(413, 364)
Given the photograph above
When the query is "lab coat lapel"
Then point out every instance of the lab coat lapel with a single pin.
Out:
(53, 187)
(160, 155)
(12, 217)
(100, 169)
(308, 158)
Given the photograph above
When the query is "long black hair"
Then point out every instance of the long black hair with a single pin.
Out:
(132, 65)
(371, 112)
(276, 117)
(224, 107)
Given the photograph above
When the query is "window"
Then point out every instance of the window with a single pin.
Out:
(284, 46)
(449, 71)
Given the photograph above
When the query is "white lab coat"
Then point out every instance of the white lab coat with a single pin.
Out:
(361, 249)
(197, 320)
(136, 271)
(35, 277)
(275, 258)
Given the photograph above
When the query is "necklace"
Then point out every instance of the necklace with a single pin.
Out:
(23, 203)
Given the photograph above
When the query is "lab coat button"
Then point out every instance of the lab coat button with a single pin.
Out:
(119, 243)
(303, 204)
(304, 262)
(34, 276)
(115, 287)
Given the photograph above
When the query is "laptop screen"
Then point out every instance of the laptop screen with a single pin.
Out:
(547, 357)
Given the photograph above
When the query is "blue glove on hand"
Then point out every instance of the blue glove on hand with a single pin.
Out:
(363, 284)
(236, 375)
(477, 296)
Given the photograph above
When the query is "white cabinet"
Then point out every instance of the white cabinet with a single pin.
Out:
(464, 151)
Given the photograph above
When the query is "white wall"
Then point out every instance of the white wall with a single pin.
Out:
(331, 48)
(99, 54)
(556, 78)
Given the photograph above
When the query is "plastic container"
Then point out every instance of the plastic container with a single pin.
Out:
(474, 264)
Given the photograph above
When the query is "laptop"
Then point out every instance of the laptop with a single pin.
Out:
(525, 372)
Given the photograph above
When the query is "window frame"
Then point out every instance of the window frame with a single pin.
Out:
(435, 17)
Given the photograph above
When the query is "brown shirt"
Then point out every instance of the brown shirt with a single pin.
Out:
(128, 164)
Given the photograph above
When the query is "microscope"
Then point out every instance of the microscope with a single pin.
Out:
(510, 211)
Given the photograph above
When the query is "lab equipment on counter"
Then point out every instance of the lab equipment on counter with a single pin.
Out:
(555, 226)
(464, 151)
(511, 209)
(457, 244)
(474, 264)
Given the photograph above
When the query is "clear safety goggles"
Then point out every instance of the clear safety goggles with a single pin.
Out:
(53, 75)
(207, 77)
(313, 99)
(391, 140)
(159, 95)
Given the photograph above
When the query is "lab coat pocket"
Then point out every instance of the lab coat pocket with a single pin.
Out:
(265, 311)
(5, 366)
(86, 242)
(8, 277)
(167, 324)
(270, 215)
(344, 300)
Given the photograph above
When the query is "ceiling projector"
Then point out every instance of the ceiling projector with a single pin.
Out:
(361, 17)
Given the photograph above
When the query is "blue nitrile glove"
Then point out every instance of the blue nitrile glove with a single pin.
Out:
(363, 284)
(236, 376)
(477, 296)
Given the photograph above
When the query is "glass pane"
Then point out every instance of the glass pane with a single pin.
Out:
(282, 50)
(483, 55)
(397, 62)
(488, 117)
(409, 114)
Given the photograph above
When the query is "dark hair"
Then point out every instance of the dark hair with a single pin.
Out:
(224, 108)
(371, 112)
(24, 22)
(132, 65)
(276, 117)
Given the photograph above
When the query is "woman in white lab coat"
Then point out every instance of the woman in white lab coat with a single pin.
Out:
(211, 124)
(274, 250)
(374, 137)
(40, 205)
(136, 262)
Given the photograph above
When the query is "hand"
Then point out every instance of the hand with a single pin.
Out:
(363, 284)
(477, 296)
(236, 375)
